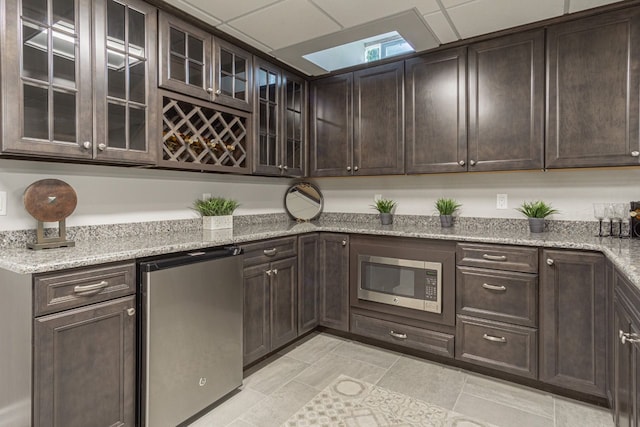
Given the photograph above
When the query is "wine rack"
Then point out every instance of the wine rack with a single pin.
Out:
(204, 136)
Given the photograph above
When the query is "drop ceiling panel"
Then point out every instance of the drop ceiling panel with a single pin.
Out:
(451, 3)
(441, 27)
(225, 10)
(578, 5)
(192, 10)
(242, 36)
(285, 23)
(485, 16)
(355, 12)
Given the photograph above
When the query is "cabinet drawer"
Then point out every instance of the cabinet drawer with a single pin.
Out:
(499, 257)
(407, 336)
(269, 250)
(497, 345)
(63, 290)
(498, 295)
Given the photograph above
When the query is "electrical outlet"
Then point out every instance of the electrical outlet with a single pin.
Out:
(206, 196)
(502, 201)
(3, 203)
(377, 197)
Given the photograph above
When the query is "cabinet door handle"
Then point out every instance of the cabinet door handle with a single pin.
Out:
(218, 92)
(494, 257)
(285, 167)
(355, 168)
(270, 252)
(268, 272)
(275, 271)
(86, 145)
(280, 167)
(344, 243)
(472, 162)
(462, 163)
(210, 89)
(349, 168)
(102, 146)
(494, 339)
(494, 287)
(90, 289)
(629, 338)
(635, 153)
(399, 335)
(131, 311)
(550, 261)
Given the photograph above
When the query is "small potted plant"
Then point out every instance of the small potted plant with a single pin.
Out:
(447, 207)
(216, 212)
(385, 208)
(536, 211)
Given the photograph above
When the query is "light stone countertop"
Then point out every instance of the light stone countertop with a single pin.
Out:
(624, 253)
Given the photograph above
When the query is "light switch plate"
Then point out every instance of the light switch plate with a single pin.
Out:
(3, 203)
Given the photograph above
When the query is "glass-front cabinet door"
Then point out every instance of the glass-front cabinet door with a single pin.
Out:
(267, 155)
(293, 134)
(46, 78)
(185, 57)
(125, 81)
(233, 76)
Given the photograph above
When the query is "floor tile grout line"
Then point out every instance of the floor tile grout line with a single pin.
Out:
(490, 400)
(512, 406)
(466, 376)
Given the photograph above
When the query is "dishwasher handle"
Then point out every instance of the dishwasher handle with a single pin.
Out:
(191, 257)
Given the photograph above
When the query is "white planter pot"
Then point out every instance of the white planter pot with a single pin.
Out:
(217, 222)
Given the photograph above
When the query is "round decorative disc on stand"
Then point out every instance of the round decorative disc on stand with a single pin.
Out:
(50, 200)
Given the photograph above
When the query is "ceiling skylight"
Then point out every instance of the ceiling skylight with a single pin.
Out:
(361, 51)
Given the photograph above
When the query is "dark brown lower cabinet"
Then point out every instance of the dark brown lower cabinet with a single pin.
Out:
(84, 366)
(626, 355)
(573, 321)
(270, 314)
(334, 281)
(308, 282)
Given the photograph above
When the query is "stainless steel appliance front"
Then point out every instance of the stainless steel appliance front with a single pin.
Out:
(192, 335)
(400, 282)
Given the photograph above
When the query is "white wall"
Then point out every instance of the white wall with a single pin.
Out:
(570, 191)
(111, 195)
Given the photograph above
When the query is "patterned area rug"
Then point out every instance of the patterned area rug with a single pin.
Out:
(348, 402)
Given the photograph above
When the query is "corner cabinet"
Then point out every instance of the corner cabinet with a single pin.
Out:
(506, 103)
(279, 117)
(573, 321)
(593, 74)
(357, 123)
(53, 92)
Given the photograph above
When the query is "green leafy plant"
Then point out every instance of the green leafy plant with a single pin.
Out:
(384, 205)
(536, 209)
(447, 206)
(215, 206)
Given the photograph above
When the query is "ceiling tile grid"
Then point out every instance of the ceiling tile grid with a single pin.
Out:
(275, 25)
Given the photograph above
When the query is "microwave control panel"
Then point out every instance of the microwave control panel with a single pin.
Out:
(431, 285)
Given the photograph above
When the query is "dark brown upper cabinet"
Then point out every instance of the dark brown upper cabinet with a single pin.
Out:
(233, 76)
(506, 103)
(280, 102)
(357, 123)
(70, 92)
(185, 57)
(436, 112)
(331, 126)
(378, 120)
(593, 74)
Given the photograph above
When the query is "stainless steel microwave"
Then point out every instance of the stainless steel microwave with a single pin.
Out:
(400, 282)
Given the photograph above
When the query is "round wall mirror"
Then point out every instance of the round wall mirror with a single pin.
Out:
(303, 201)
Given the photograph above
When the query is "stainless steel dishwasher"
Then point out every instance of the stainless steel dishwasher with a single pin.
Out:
(190, 335)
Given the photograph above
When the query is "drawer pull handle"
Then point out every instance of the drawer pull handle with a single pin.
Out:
(270, 252)
(494, 257)
(494, 287)
(398, 335)
(494, 339)
(90, 289)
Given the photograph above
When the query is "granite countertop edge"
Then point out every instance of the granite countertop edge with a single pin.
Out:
(624, 254)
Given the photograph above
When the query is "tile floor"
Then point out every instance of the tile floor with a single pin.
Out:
(276, 388)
